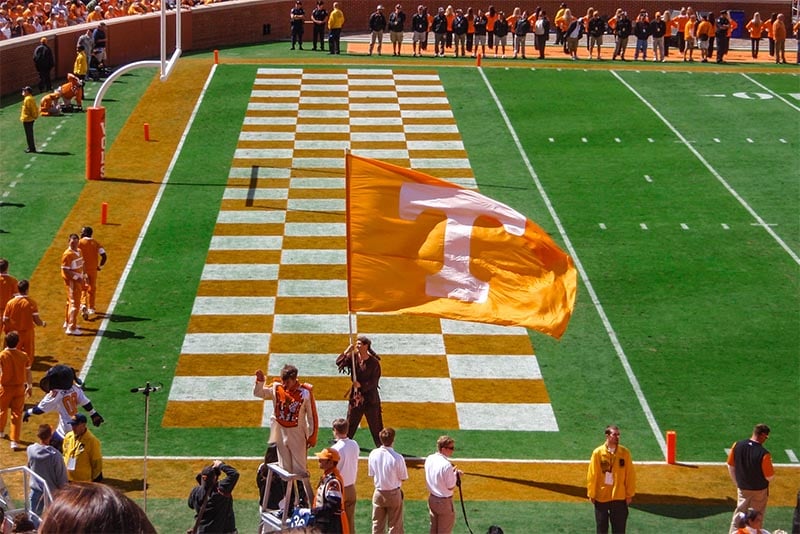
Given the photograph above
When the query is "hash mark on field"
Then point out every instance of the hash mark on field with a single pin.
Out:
(617, 139)
(749, 140)
(648, 179)
(725, 226)
(13, 184)
(602, 226)
(5, 193)
(584, 140)
(792, 456)
(651, 140)
(684, 226)
(643, 226)
(764, 224)
(552, 140)
(782, 140)
(716, 140)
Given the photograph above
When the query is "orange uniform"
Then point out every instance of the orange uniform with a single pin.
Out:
(15, 380)
(8, 288)
(91, 250)
(19, 315)
(72, 274)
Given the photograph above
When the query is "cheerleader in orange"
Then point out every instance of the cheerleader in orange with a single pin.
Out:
(21, 315)
(72, 273)
(94, 257)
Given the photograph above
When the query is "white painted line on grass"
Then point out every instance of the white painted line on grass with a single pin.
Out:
(648, 178)
(602, 226)
(773, 93)
(712, 170)
(460, 460)
(643, 226)
(684, 226)
(725, 226)
(658, 434)
(143, 232)
(792, 456)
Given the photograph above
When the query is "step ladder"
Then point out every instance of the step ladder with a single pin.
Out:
(277, 520)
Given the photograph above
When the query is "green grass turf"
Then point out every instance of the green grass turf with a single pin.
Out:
(695, 311)
(45, 192)
(172, 515)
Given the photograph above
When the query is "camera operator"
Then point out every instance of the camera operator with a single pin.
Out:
(212, 499)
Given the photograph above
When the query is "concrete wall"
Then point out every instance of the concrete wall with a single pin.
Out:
(238, 22)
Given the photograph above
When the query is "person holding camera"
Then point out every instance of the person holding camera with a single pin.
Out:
(611, 483)
(212, 499)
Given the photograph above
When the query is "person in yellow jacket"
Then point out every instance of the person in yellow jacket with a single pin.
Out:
(611, 482)
(29, 114)
(335, 23)
(82, 453)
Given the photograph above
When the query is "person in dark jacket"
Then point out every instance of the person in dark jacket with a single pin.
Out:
(642, 32)
(621, 33)
(658, 28)
(43, 59)
(542, 32)
(597, 27)
(212, 499)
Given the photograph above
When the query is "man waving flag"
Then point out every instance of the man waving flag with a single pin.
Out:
(420, 245)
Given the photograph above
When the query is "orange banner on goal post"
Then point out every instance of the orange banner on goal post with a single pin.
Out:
(420, 245)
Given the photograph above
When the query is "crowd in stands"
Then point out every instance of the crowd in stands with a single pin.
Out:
(20, 17)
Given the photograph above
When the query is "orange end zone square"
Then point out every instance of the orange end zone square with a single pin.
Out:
(228, 414)
(222, 324)
(220, 364)
(481, 344)
(512, 390)
(419, 415)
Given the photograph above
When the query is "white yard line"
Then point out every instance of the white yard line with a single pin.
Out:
(142, 233)
(584, 276)
(770, 91)
(712, 170)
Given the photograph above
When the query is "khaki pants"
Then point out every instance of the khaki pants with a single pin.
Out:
(387, 507)
(442, 514)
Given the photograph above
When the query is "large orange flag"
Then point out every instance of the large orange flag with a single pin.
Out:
(417, 244)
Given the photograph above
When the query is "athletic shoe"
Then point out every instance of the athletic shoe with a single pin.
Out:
(14, 445)
(74, 331)
(91, 311)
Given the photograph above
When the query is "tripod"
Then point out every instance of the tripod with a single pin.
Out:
(146, 390)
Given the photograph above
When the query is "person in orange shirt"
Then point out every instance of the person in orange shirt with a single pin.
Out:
(689, 39)
(680, 24)
(491, 18)
(8, 284)
(94, 257)
(796, 30)
(755, 27)
(21, 315)
(779, 32)
(450, 15)
(74, 278)
(703, 35)
(71, 89)
(771, 36)
(16, 383)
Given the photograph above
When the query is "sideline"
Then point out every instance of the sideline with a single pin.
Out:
(651, 419)
(712, 170)
(87, 365)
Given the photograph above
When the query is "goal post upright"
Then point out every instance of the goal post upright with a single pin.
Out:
(96, 114)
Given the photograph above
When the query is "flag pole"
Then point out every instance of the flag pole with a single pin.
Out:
(351, 316)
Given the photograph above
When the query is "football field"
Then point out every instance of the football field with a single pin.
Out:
(676, 193)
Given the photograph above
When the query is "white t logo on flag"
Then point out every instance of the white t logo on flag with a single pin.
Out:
(461, 207)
